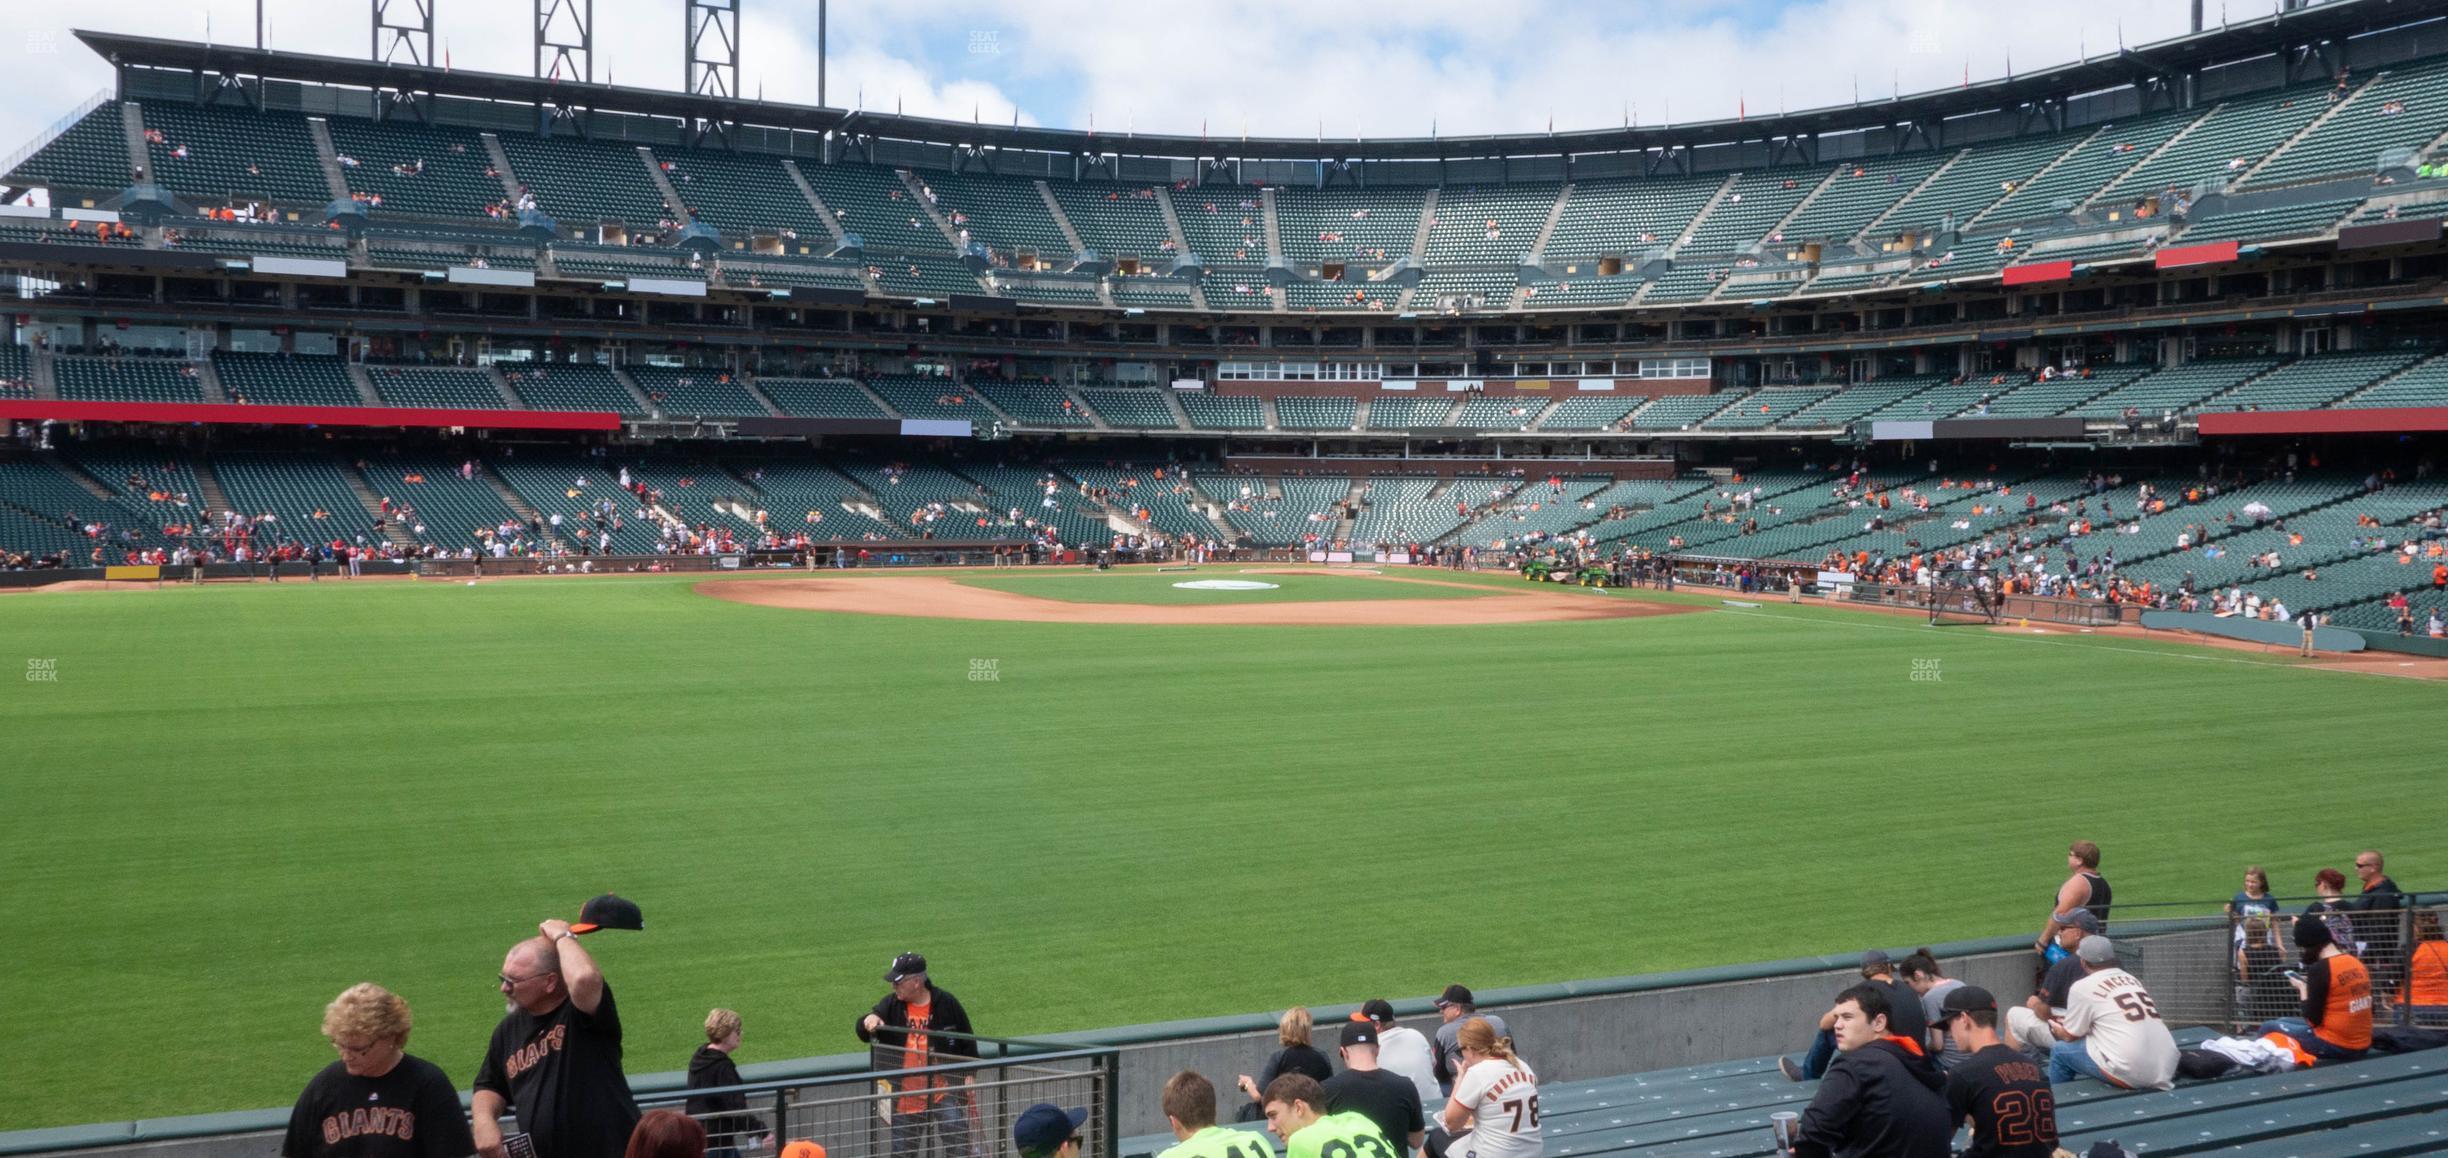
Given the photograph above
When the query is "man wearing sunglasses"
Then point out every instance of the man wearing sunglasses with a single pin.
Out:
(556, 1056)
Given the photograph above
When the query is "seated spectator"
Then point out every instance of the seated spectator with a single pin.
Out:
(1997, 1088)
(1363, 1088)
(1494, 1109)
(1880, 1095)
(1921, 974)
(2426, 992)
(1046, 1130)
(2262, 990)
(1457, 1005)
(1296, 1057)
(1903, 1013)
(2337, 999)
(1404, 1051)
(1296, 1113)
(2111, 1030)
(667, 1134)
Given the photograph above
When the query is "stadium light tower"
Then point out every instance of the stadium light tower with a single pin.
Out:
(565, 40)
(404, 31)
(715, 73)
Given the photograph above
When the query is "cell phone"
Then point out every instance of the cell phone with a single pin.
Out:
(518, 1145)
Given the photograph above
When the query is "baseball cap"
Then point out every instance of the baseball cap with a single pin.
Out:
(2083, 919)
(609, 912)
(1455, 995)
(1359, 1033)
(2310, 935)
(1044, 1127)
(2096, 950)
(803, 1149)
(905, 965)
(1875, 959)
(1965, 999)
(1377, 1009)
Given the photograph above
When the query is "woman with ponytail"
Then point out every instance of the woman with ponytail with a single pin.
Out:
(1494, 1112)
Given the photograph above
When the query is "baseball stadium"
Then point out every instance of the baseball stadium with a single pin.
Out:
(1252, 605)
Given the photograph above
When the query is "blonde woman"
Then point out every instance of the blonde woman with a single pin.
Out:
(1494, 1111)
(376, 1101)
(1296, 1057)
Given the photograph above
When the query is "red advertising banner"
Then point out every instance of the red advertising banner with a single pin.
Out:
(2179, 256)
(2039, 271)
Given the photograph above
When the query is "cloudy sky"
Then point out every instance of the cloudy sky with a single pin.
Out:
(1294, 68)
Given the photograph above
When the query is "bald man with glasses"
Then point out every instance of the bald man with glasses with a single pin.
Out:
(2376, 915)
(556, 1055)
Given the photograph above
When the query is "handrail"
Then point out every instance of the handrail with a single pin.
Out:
(58, 128)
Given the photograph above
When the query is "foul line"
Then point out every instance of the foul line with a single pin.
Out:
(2186, 655)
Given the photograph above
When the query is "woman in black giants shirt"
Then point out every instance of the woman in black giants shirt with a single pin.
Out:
(376, 1101)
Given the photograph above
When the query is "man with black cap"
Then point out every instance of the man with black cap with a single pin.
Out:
(1456, 1005)
(1998, 1087)
(2111, 1029)
(1904, 1019)
(1403, 1051)
(1365, 1089)
(907, 1031)
(556, 1055)
(2027, 1024)
(1046, 1130)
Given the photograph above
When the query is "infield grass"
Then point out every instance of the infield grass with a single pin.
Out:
(235, 801)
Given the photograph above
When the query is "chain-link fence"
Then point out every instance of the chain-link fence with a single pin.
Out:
(2207, 965)
(962, 1108)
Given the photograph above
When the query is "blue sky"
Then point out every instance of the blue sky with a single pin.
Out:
(1343, 67)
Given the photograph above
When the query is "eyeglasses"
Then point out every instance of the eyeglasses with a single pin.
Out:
(354, 1050)
(508, 982)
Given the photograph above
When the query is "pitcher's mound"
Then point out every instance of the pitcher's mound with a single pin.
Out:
(932, 597)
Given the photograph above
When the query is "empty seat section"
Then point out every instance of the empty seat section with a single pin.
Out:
(919, 396)
(1006, 214)
(1140, 408)
(1983, 175)
(1744, 215)
(871, 201)
(1036, 404)
(1116, 220)
(1397, 412)
(694, 390)
(744, 194)
(1152, 293)
(569, 386)
(2175, 388)
(1765, 408)
(235, 155)
(2087, 167)
(1487, 225)
(1224, 224)
(1509, 412)
(1060, 291)
(1366, 227)
(2423, 385)
(2314, 382)
(89, 156)
(918, 275)
(1857, 193)
(1589, 411)
(2039, 399)
(1626, 218)
(417, 170)
(2271, 224)
(1681, 411)
(2234, 137)
(1317, 412)
(584, 183)
(2400, 110)
(285, 380)
(436, 387)
(125, 380)
(1211, 411)
(819, 398)
(1350, 294)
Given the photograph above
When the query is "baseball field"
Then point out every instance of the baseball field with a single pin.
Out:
(220, 806)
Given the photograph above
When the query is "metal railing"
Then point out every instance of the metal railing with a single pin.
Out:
(959, 1109)
(2206, 966)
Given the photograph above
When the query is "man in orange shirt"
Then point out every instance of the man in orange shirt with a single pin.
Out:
(915, 1026)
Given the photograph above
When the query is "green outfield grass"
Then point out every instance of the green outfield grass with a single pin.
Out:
(235, 801)
(1159, 587)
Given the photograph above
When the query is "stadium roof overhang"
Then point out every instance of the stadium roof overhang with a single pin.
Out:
(2278, 32)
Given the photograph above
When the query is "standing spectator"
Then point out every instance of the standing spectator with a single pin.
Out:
(1363, 1088)
(667, 1134)
(1046, 1130)
(1455, 1005)
(2426, 992)
(1902, 1011)
(2254, 900)
(1921, 975)
(376, 1101)
(711, 1068)
(902, 1031)
(2084, 888)
(1190, 1109)
(2337, 999)
(1880, 1096)
(1494, 1111)
(2012, 1110)
(556, 1055)
(2111, 1029)
(2376, 920)
(1404, 1051)
(1297, 1056)
(2329, 907)
(1296, 1112)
